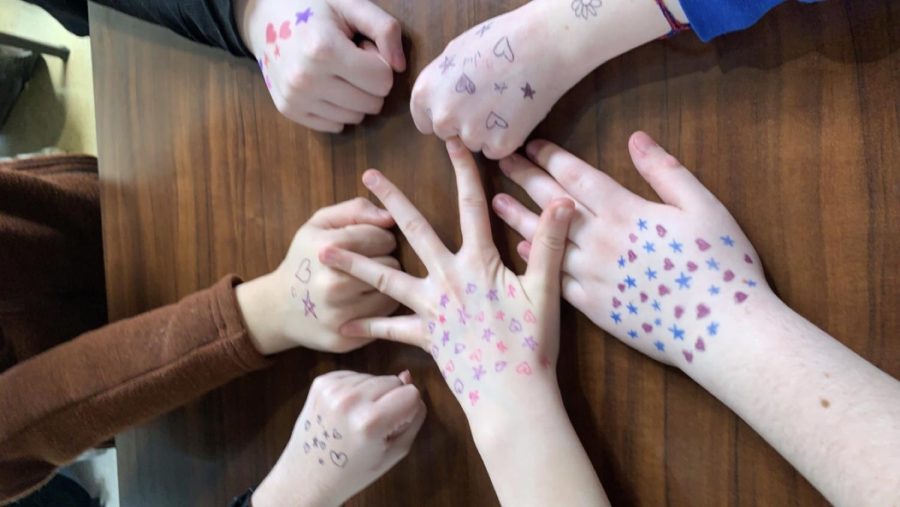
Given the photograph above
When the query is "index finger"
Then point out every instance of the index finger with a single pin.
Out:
(473, 212)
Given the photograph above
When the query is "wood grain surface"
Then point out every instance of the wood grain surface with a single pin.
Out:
(793, 124)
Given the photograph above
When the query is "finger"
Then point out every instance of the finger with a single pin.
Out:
(397, 409)
(376, 387)
(365, 239)
(514, 214)
(352, 212)
(406, 329)
(422, 238)
(539, 185)
(473, 213)
(573, 261)
(376, 24)
(389, 281)
(363, 69)
(339, 91)
(403, 437)
(337, 114)
(349, 290)
(673, 183)
(572, 290)
(371, 305)
(592, 188)
(405, 376)
(549, 244)
(319, 124)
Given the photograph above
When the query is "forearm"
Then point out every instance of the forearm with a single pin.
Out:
(830, 413)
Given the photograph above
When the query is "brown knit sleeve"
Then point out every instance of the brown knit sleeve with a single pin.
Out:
(73, 397)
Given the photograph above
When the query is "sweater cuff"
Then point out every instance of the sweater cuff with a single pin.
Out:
(232, 328)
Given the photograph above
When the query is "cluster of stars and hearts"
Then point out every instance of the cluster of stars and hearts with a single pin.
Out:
(318, 444)
(492, 341)
(300, 289)
(276, 33)
(696, 265)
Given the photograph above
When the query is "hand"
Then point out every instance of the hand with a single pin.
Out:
(353, 429)
(663, 278)
(303, 303)
(315, 73)
(494, 334)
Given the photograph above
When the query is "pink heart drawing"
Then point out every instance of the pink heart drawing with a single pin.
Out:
(691, 266)
(702, 311)
(501, 346)
(700, 345)
(499, 366)
(702, 245)
(632, 256)
(529, 317)
(663, 290)
(480, 317)
(475, 356)
(661, 231)
(450, 367)
(621, 287)
(459, 347)
(473, 397)
(515, 326)
(739, 297)
(688, 355)
(616, 303)
(668, 264)
(728, 276)
(285, 31)
(647, 327)
(632, 238)
(679, 311)
(644, 297)
(271, 34)
(747, 259)
(524, 368)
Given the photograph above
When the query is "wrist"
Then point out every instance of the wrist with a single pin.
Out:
(535, 403)
(281, 488)
(258, 303)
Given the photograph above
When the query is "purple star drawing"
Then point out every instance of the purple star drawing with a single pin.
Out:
(530, 343)
(309, 307)
(492, 295)
(444, 300)
(484, 28)
(487, 335)
(446, 338)
(528, 91)
(447, 64)
(479, 372)
(303, 17)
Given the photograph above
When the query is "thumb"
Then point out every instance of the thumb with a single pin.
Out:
(376, 24)
(549, 243)
(405, 329)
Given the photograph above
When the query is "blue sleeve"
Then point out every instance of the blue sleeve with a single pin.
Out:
(712, 18)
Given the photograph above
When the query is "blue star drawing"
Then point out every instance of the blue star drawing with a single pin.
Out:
(656, 306)
(658, 322)
(750, 283)
(660, 346)
(642, 224)
(632, 309)
(303, 17)
(727, 240)
(616, 317)
(713, 329)
(683, 281)
(621, 262)
(713, 290)
(649, 247)
(632, 334)
(676, 246)
(631, 282)
(712, 264)
(651, 275)
(677, 334)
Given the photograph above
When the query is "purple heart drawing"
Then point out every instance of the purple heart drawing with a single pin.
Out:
(458, 386)
(632, 238)
(702, 245)
(739, 297)
(515, 326)
(663, 290)
(616, 303)
(668, 264)
(644, 297)
(700, 345)
(691, 266)
(702, 311)
(621, 287)
(747, 259)
(494, 120)
(679, 311)
(503, 49)
(465, 85)
(632, 256)
(471, 288)
(661, 231)
(728, 276)
(431, 327)
(647, 327)
(688, 355)
(459, 347)
(499, 366)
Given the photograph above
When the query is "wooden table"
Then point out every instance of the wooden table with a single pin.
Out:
(792, 124)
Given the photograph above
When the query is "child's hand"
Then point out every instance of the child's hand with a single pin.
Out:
(493, 84)
(493, 334)
(316, 74)
(303, 303)
(353, 429)
(663, 278)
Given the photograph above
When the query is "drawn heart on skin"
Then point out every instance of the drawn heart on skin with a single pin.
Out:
(688, 355)
(739, 297)
(471, 288)
(494, 120)
(644, 297)
(475, 356)
(271, 34)
(473, 397)
(647, 328)
(679, 311)
(434, 351)
(621, 287)
(499, 366)
(450, 367)
(747, 259)
(459, 347)
(632, 256)
(307, 425)
(691, 266)
(668, 264)
(503, 49)
(480, 317)
(524, 368)
(661, 231)
(529, 317)
(515, 326)
(339, 458)
(663, 290)
(700, 345)
(729, 276)
(616, 303)
(306, 448)
(431, 327)
(335, 435)
(501, 347)
(465, 85)
(633, 238)
(703, 245)
(702, 311)
(304, 273)
(285, 31)
(458, 386)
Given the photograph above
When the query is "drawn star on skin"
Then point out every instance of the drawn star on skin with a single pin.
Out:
(632, 309)
(656, 306)
(676, 246)
(303, 17)
(528, 91)
(616, 317)
(445, 339)
(713, 329)
(677, 334)
(658, 322)
(484, 28)
(727, 240)
(649, 247)
(447, 64)
(642, 224)
(750, 283)
(713, 290)
(631, 282)
(651, 275)
(486, 336)
(660, 346)
(500, 88)
(444, 301)
(492, 295)
(530, 343)
(684, 282)
(632, 334)
(621, 262)
(309, 307)
(712, 264)
(479, 372)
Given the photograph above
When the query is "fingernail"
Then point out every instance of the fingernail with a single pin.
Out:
(643, 143)
(370, 178)
(405, 377)
(328, 256)
(562, 213)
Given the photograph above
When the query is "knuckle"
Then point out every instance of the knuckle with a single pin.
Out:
(389, 27)
(319, 49)
(300, 79)
(344, 401)
(414, 226)
(383, 283)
